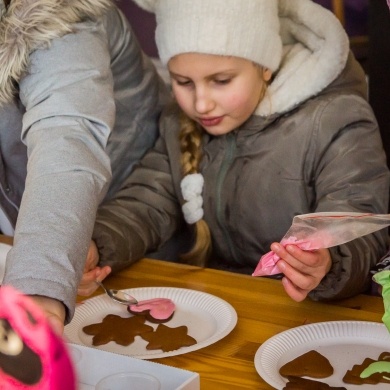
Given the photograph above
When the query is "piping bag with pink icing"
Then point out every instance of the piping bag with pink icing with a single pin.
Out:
(323, 230)
(32, 355)
(159, 309)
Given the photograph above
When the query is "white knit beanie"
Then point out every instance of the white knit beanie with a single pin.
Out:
(242, 28)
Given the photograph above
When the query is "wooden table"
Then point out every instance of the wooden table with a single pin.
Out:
(263, 310)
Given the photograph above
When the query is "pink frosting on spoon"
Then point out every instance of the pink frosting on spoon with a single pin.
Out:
(159, 308)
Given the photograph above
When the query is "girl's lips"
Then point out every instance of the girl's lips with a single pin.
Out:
(206, 122)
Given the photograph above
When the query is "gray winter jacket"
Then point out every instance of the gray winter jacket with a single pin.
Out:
(79, 106)
(312, 145)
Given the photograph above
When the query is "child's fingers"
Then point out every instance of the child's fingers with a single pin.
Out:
(293, 291)
(87, 285)
(104, 272)
(301, 280)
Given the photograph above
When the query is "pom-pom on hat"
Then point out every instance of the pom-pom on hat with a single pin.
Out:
(242, 28)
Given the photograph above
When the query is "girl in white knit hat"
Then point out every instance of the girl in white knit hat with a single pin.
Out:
(270, 120)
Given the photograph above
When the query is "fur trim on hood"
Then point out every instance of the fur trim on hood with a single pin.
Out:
(31, 24)
(315, 51)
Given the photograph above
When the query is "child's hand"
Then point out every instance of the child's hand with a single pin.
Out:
(54, 311)
(92, 272)
(303, 270)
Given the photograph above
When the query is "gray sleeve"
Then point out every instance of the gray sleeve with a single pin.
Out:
(70, 110)
(352, 175)
(143, 215)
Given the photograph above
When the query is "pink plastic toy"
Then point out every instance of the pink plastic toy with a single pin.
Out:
(32, 356)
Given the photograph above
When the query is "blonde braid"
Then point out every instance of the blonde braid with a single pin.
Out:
(190, 145)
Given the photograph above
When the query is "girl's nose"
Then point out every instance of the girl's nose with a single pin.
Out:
(203, 102)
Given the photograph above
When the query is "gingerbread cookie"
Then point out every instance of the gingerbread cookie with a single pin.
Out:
(370, 371)
(311, 364)
(118, 329)
(297, 383)
(168, 339)
(156, 310)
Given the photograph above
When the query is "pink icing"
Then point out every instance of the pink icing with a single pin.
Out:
(159, 308)
(268, 264)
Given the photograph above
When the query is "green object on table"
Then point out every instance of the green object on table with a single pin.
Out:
(383, 278)
(376, 368)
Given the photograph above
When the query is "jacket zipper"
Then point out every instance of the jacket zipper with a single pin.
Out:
(228, 158)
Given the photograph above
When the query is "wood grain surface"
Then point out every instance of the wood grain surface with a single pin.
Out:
(263, 310)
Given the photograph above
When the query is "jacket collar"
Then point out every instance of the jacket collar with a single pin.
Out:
(315, 51)
(31, 24)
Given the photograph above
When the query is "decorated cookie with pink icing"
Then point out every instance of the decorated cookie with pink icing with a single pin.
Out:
(156, 310)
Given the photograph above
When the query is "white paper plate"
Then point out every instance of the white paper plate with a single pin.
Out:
(207, 317)
(344, 343)
(4, 249)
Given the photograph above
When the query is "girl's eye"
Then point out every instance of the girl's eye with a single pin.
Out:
(223, 81)
(183, 83)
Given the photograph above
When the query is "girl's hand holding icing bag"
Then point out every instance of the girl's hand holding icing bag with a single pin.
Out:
(32, 355)
(322, 230)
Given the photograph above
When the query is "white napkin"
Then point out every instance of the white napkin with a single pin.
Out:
(4, 249)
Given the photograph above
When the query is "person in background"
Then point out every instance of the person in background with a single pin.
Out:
(79, 106)
(270, 120)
